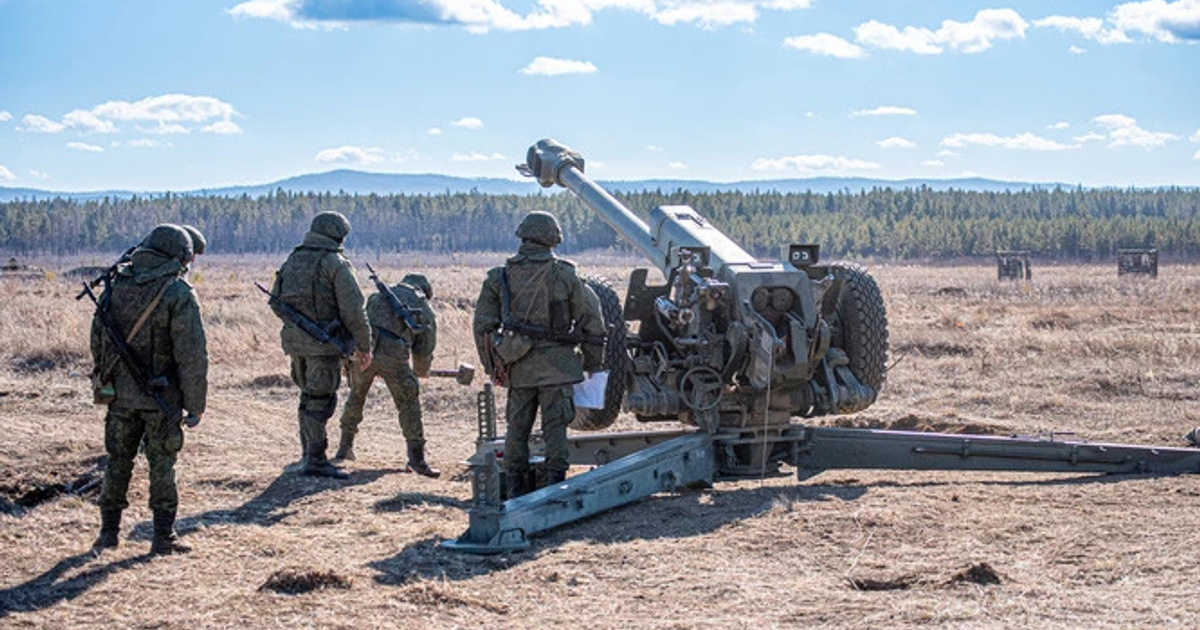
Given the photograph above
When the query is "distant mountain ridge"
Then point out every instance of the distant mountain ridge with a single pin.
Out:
(365, 183)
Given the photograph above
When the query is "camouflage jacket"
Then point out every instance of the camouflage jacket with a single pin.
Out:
(394, 340)
(318, 281)
(170, 343)
(539, 283)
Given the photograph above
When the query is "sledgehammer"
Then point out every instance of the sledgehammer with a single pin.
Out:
(464, 374)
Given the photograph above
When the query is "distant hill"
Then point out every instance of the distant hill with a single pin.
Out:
(362, 183)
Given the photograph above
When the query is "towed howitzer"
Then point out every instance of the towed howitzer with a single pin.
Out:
(150, 385)
(735, 347)
(323, 335)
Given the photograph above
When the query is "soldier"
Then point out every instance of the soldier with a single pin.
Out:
(536, 291)
(157, 314)
(394, 342)
(317, 280)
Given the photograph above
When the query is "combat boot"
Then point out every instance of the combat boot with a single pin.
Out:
(110, 530)
(165, 541)
(515, 484)
(1193, 437)
(416, 461)
(345, 452)
(555, 477)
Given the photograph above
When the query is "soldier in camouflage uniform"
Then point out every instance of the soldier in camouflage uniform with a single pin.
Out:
(394, 343)
(159, 316)
(318, 281)
(545, 291)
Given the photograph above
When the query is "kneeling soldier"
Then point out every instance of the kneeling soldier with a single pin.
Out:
(395, 341)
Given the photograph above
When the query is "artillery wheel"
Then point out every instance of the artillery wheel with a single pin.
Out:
(616, 361)
(862, 326)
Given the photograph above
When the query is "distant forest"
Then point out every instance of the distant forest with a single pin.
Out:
(881, 223)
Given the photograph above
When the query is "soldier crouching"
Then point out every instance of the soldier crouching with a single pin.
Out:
(156, 315)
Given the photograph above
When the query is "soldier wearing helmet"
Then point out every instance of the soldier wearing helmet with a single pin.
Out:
(539, 289)
(158, 315)
(395, 343)
(319, 281)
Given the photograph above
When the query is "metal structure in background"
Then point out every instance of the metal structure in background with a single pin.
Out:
(734, 348)
(1013, 265)
(1137, 262)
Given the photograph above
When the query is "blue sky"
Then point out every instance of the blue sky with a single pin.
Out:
(152, 95)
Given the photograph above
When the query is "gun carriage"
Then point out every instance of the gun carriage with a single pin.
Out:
(735, 348)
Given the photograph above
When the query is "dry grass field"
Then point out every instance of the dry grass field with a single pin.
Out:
(1078, 350)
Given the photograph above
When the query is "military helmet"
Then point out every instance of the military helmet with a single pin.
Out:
(421, 282)
(540, 227)
(335, 225)
(198, 240)
(169, 240)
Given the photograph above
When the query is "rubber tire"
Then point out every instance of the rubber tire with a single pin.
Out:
(862, 326)
(616, 361)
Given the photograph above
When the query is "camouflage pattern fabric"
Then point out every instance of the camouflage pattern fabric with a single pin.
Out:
(395, 343)
(558, 409)
(171, 343)
(124, 432)
(318, 378)
(318, 281)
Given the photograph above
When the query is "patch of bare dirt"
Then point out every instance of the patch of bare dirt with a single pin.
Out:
(297, 581)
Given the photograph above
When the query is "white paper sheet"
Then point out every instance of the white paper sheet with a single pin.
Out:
(590, 393)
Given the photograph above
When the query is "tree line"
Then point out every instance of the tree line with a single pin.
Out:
(1067, 223)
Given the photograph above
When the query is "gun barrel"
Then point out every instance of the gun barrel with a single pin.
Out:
(552, 163)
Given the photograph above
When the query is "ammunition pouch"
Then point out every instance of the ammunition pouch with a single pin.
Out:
(103, 392)
(511, 346)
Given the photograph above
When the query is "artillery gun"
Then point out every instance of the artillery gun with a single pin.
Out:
(734, 348)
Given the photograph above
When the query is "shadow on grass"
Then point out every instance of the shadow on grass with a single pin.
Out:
(684, 515)
(406, 500)
(50, 588)
(269, 506)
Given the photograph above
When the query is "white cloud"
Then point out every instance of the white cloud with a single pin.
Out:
(147, 143)
(932, 163)
(222, 128)
(896, 142)
(5, 116)
(655, 148)
(1195, 137)
(467, 123)
(165, 129)
(1076, 50)
(407, 155)
(885, 110)
(947, 153)
(1196, 156)
(825, 45)
(88, 122)
(481, 16)
(1089, 28)
(810, 114)
(80, 146)
(5, 174)
(476, 156)
(350, 155)
(434, 131)
(1090, 136)
(1059, 125)
(1023, 142)
(1165, 21)
(678, 166)
(978, 35)
(1124, 131)
(36, 174)
(40, 124)
(812, 163)
(549, 67)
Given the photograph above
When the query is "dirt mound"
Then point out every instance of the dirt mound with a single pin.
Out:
(268, 381)
(297, 581)
(441, 596)
(45, 361)
(981, 573)
(893, 584)
(29, 489)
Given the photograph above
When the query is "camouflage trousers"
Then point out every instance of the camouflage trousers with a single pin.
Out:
(124, 431)
(406, 394)
(318, 378)
(558, 409)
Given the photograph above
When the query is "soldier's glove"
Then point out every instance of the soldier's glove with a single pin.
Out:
(192, 420)
(363, 359)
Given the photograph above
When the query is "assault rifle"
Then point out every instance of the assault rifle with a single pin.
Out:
(399, 308)
(107, 275)
(293, 316)
(150, 385)
(541, 333)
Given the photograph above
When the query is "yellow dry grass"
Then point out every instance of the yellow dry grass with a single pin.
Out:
(1079, 350)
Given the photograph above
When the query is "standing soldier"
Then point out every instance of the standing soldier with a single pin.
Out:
(395, 340)
(529, 318)
(151, 364)
(319, 282)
